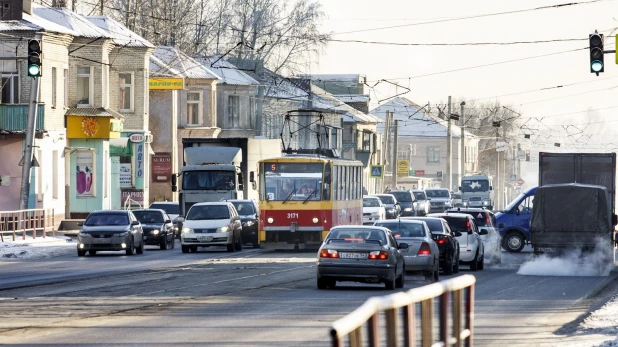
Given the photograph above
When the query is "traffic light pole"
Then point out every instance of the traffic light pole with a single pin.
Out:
(29, 144)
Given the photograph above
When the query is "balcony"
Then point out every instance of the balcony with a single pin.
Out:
(14, 117)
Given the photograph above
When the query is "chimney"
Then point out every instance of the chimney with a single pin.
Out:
(11, 9)
(27, 6)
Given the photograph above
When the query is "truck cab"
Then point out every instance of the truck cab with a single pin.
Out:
(477, 191)
(514, 221)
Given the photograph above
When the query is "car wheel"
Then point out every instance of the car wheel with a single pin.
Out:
(390, 283)
(92, 252)
(230, 247)
(456, 266)
(131, 248)
(513, 242)
(172, 242)
(185, 249)
(436, 273)
(193, 249)
(238, 245)
(400, 280)
(81, 253)
(481, 263)
(163, 243)
(322, 283)
(449, 266)
(140, 249)
(475, 262)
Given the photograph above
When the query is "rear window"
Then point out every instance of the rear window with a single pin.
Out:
(355, 235)
(434, 224)
(405, 229)
(168, 208)
(456, 223)
(480, 219)
(403, 196)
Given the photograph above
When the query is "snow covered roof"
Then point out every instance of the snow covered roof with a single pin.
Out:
(228, 72)
(34, 23)
(414, 121)
(122, 35)
(337, 77)
(71, 20)
(169, 61)
(353, 97)
(350, 114)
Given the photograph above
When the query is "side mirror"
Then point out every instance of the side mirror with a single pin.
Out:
(167, 221)
(500, 225)
(517, 211)
(614, 219)
(252, 177)
(459, 188)
(457, 233)
(80, 224)
(253, 185)
(180, 219)
(133, 223)
(403, 245)
(491, 188)
(483, 231)
(174, 182)
(428, 199)
(241, 186)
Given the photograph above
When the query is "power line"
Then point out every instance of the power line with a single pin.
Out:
(455, 44)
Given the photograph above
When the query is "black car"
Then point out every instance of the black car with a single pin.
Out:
(172, 209)
(391, 205)
(407, 202)
(158, 228)
(249, 217)
(447, 243)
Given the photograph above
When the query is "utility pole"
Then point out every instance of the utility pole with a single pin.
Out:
(394, 165)
(29, 143)
(385, 145)
(449, 147)
(102, 2)
(463, 141)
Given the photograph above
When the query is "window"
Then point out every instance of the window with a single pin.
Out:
(194, 108)
(125, 102)
(233, 111)
(55, 173)
(433, 155)
(10, 88)
(54, 81)
(84, 86)
(66, 87)
(252, 124)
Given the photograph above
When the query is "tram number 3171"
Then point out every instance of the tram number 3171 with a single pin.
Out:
(292, 215)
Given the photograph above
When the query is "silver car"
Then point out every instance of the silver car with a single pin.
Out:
(211, 224)
(110, 230)
(367, 254)
(422, 203)
(423, 254)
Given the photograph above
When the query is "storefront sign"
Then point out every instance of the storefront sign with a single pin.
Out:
(161, 167)
(158, 83)
(136, 195)
(85, 127)
(139, 162)
(84, 175)
(135, 138)
(125, 176)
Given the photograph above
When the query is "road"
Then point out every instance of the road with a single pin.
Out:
(253, 298)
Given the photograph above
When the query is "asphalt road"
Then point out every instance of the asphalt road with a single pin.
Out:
(254, 298)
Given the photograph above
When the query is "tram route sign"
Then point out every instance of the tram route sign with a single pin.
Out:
(377, 171)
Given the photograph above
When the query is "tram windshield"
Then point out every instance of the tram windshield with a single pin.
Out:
(293, 181)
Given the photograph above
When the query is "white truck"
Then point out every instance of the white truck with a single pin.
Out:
(210, 174)
(477, 191)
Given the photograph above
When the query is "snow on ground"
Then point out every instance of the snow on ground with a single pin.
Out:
(602, 323)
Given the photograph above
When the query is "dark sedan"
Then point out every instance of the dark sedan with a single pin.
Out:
(110, 230)
(158, 227)
(248, 213)
(366, 254)
(447, 243)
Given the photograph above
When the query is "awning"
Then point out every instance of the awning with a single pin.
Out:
(120, 147)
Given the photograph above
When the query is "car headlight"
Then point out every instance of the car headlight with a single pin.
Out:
(375, 214)
(122, 234)
(248, 223)
(84, 235)
(391, 210)
(224, 229)
(155, 232)
(187, 230)
(447, 203)
(407, 209)
(485, 202)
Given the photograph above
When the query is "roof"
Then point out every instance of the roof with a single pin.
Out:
(415, 121)
(336, 77)
(34, 23)
(71, 20)
(93, 112)
(350, 114)
(169, 61)
(353, 97)
(227, 71)
(122, 35)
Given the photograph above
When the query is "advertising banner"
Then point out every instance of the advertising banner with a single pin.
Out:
(161, 167)
(84, 175)
(125, 175)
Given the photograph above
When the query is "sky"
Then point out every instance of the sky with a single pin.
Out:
(528, 85)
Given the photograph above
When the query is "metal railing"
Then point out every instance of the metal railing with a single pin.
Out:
(27, 222)
(454, 328)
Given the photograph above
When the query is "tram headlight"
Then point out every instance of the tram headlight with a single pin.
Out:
(315, 220)
(270, 220)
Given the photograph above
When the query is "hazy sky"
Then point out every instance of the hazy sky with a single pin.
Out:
(525, 76)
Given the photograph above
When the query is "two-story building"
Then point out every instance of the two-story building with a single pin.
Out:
(422, 140)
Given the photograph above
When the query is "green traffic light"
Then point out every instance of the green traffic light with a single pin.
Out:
(34, 70)
(596, 66)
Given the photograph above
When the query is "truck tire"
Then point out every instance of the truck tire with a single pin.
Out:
(513, 242)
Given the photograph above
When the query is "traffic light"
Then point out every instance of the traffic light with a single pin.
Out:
(596, 53)
(35, 68)
(527, 155)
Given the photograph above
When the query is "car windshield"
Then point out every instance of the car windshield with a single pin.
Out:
(456, 223)
(206, 212)
(475, 185)
(386, 199)
(404, 229)
(357, 235)
(371, 203)
(95, 219)
(403, 196)
(168, 208)
(208, 180)
(244, 208)
(148, 217)
(420, 196)
(437, 193)
(294, 181)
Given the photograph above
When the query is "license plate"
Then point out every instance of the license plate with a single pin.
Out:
(350, 255)
(102, 240)
(204, 238)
